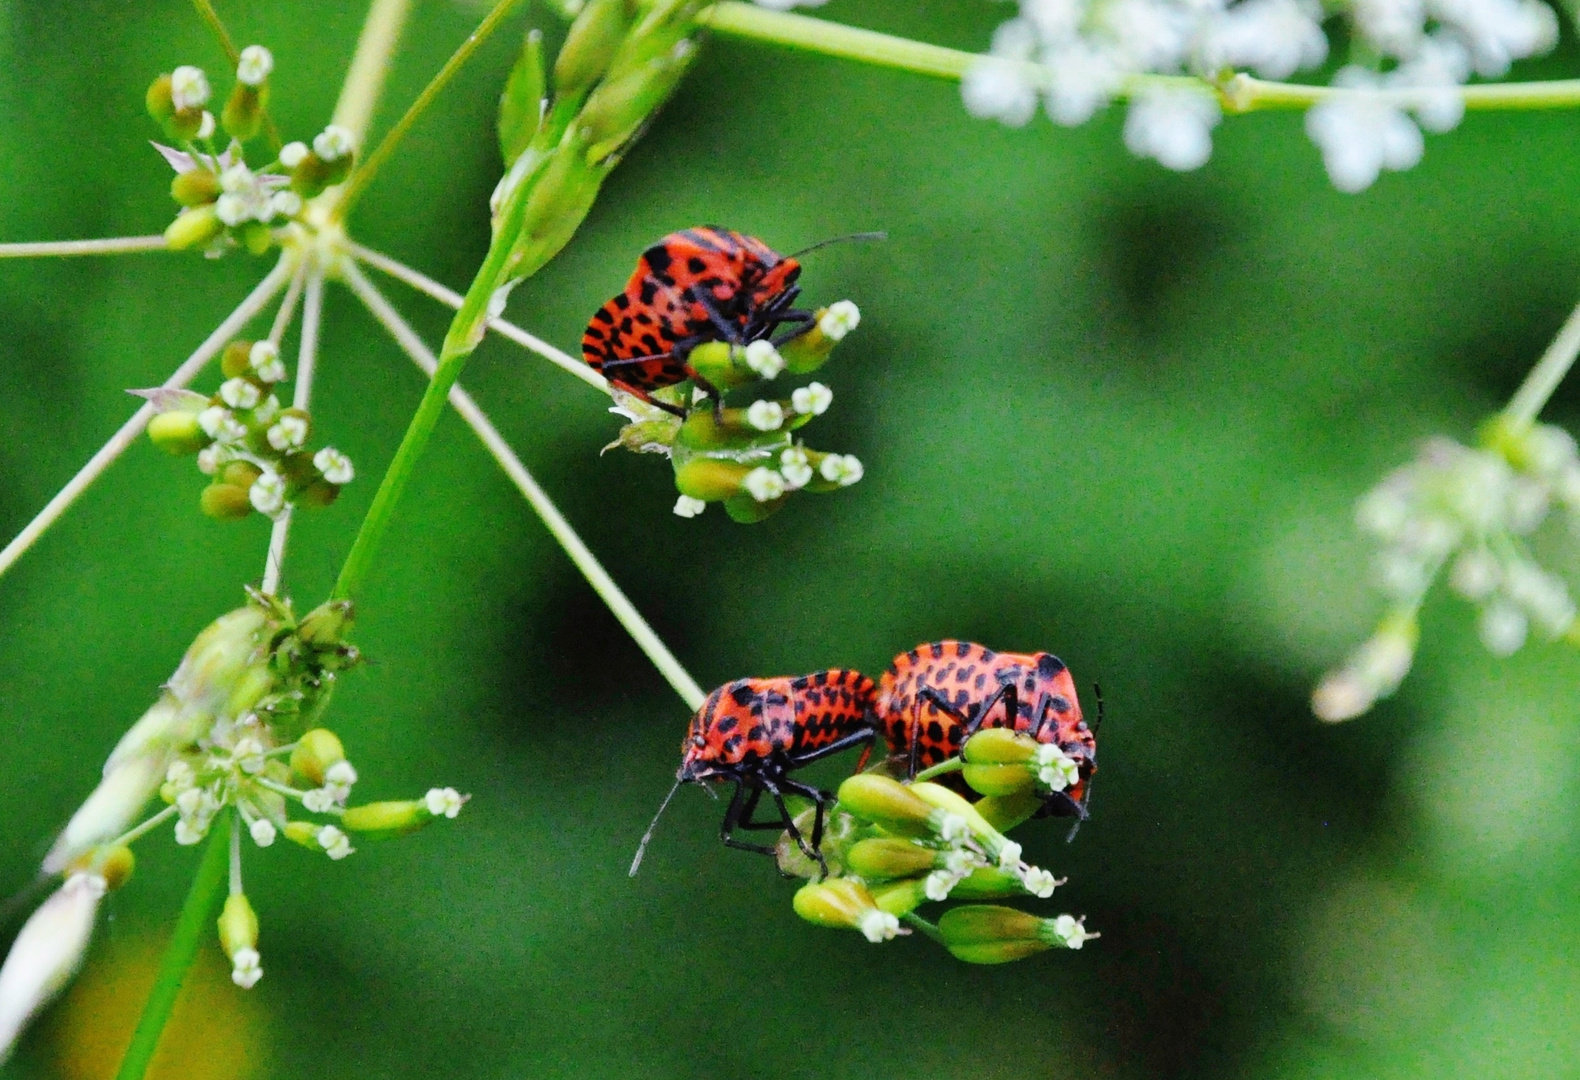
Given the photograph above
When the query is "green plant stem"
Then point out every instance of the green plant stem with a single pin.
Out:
(201, 902)
(1533, 394)
(910, 918)
(119, 245)
(948, 765)
(363, 175)
(1240, 93)
(466, 330)
(364, 83)
(207, 13)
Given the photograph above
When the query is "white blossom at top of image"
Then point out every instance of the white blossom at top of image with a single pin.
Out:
(1172, 126)
(1360, 135)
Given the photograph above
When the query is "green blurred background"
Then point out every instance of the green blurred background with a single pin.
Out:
(1106, 410)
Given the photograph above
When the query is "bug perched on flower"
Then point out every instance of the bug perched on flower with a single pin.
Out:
(754, 732)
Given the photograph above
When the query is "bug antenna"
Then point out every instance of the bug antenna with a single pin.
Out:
(1097, 692)
(641, 849)
(862, 236)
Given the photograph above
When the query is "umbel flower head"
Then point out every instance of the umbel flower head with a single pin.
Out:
(892, 847)
(747, 458)
(1073, 56)
(255, 449)
(232, 742)
(1469, 512)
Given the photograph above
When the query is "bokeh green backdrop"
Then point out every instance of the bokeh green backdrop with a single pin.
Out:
(1106, 410)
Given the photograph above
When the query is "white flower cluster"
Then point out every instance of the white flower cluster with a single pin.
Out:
(1055, 770)
(1073, 56)
(1469, 511)
(1072, 931)
(249, 196)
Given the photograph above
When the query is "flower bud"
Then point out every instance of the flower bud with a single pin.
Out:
(999, 846)
(193, 228)
(888, 857)
(521, 102)
(255, 236)
(990, 934)
(729, 366)
(177, 433)
(845, 903)
(315, 752)
(386, 819)
(887, 802)
(999, 746)
(590, 44)
(236, 360)
(327, 625)
(195, 187)
(810, 350)
(619, 106)
(116, 866)
(160, 101)
(242, 116)
(987, 883)
(901, 897)
(997, 779)
(241, 473)
(325, 838)
(238, 925)
(708, 479)
(1004, 812)
(225, 502)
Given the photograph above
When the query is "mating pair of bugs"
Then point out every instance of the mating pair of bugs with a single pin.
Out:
(755, 732)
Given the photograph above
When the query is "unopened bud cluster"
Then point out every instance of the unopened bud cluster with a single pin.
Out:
(225, 201)
(232, 743)
(747, 458)
(256, 450)
(1469, 513)
(892, 847)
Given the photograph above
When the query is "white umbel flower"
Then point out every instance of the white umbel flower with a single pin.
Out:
(240, 393)
(764, 485)
(287, 433)
(189, 88)
(333, 143)
(766, 415)
(247, 969)
(687, 507)
(795, 467)
(46, 953)
(997, 89)
(335, 466)
(267, 493)
(1360, 136)
(814, 398)
(293, 154)
(444, 802)
(1174, 127)
(763, 358)
(878, 926)
(254, 65)
(1072, 931)
(840, 319)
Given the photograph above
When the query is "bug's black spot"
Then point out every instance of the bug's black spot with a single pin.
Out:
(732, 744)
(622, 301)
(944, 672)
(649, 290)
(658, 258)
(1031, 683)
(937, 649)
(981, 681)
(743, 693)
(962, 648)
(727, 725)
(935, 731)
(1049, 666)
(650, 343)
(965, 673)
(696, 265)
(961, 699)
(1061, 704)
(754, 733)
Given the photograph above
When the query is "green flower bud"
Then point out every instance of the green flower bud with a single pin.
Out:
(998, 845)
(990, 934)
(225, 502)
(810, 351)
(987, 883)
(887, 802)
(177, 433)
(236, 360)
(888, 857)
(521, 103)
(312, 174)
(242, 116)
(900, 897)
(161, 100)
(255, 236)
(319, 493)
(998, 779)
(619, 107)
(240, 473)
(845, 903)
(328, 839)
(315, 752)
(195, 187)
(1004, 812)
(998, 746)
(114, 865)
(590, 44)
(709, 479)
(193, 228)
(238, 925)
(386, 819)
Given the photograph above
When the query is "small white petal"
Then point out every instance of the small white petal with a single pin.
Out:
(333, 143)
(814, 398)
(335, 466)
(444, 802)
(687, 507)
(267, 493)
(293, 154)
(763, 358)
(765, 415)
(254, 66)
(878, 926)
(841, 318)
(189, 88)
(764, 485)
(263, 832)
(239, 393)
(247, 970)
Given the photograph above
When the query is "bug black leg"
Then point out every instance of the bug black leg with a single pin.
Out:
(819, 797)
(971, 725)
(637, 392)
(749, 812)
(732, 820)
(844, 742)
(810, 851)
(802, 321)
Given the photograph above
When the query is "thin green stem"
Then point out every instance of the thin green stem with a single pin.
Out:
(910, 918)
(466, 330)
(369, 66)
(1533, 394)
(364, 174)
(119, 245)
(207, 13)
(604, 585)
(137, 832)
(452, 299)
(948, 765)
(1240, 93)
(202, 899)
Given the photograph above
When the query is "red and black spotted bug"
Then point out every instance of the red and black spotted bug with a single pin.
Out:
(700, 284)
(754, 732)
(933, 697)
